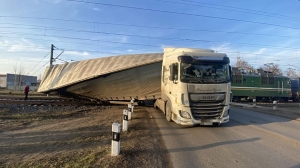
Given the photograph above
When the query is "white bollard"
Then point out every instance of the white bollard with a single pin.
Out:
(274, 105)
(115, 143)
(254, 102)
(125, 120)
(130, 107)
(129, 114)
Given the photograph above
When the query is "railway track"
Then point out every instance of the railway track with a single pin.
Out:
(270, 104)
(44, 101)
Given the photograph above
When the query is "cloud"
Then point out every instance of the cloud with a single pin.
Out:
(123, 39)
(130, 50)
(20, 45)
(96, 9)
(51, 1)
(260, 51)
(77, 53)
(222, 47)
(54, 1)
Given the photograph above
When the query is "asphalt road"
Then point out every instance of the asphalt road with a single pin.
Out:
(249, 139)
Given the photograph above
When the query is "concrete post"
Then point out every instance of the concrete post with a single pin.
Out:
(115, 143)
(254, 102)
(130, 107)
(274, 105)
(125, 120)
(129, 114)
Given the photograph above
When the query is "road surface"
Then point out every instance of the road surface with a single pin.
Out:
(250, 139)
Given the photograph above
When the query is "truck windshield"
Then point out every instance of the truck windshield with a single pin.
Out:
(204, 73)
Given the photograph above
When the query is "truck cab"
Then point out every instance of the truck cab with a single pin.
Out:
(195, 86)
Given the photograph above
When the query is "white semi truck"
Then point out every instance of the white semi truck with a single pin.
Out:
(191, 86)
(195, 86)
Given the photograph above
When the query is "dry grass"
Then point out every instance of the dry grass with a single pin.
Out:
(78, 137)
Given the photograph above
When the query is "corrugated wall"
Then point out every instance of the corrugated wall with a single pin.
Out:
(66, 75)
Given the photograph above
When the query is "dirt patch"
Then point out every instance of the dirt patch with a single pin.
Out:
(78, 136)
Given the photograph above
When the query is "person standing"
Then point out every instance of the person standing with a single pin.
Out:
(26, 90)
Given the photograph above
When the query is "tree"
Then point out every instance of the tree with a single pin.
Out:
(243, 64)
(18, 72)
(291, 73)
(270, 67)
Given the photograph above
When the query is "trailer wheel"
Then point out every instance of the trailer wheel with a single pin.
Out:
(168, 112)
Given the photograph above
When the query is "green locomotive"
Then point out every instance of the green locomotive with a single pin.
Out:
(261, 86)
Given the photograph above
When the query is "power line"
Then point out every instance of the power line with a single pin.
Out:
(231, 8)
(162, 38)
(180, 13)
(39, 62)
(40, 68)
(178, 29)
(96, 45)
(135, 44)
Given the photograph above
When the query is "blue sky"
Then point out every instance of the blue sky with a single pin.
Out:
(259, 31)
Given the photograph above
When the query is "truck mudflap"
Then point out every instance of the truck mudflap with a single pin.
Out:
(183, 121)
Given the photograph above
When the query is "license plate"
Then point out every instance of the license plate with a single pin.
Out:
(206, 123)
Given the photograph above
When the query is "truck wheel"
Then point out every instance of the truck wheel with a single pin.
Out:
(168, 112)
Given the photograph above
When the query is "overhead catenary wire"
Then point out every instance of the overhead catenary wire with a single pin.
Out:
(136, 45)
(50, 28)
(148, 9)
(161, 38)
(230, 8)
(39, 62)
(182, 13)
(40, 68)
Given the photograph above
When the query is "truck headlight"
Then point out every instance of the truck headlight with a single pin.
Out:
(184, 114)
(226, 113)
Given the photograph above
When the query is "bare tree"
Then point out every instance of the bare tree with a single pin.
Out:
(20, 75)
(18, 71)
(270, 67)
(15, 69)
(292, 73)
(243, 64)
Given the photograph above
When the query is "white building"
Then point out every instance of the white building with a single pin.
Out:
(18, 82)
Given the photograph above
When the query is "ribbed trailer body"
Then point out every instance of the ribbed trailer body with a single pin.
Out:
(107, 78)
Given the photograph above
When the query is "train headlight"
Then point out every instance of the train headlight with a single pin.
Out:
(184, 114)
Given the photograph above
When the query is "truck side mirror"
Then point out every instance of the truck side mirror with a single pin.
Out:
(173, 72)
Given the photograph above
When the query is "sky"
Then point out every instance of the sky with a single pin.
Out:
(258, 31)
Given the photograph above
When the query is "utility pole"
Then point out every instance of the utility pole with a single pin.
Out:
(51, 55)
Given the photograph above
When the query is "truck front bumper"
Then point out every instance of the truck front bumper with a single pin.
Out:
(192, 121)
(183, 121)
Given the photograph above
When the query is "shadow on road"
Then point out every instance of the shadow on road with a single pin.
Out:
(212, 145)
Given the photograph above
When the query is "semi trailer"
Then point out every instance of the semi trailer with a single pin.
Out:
(190, 86)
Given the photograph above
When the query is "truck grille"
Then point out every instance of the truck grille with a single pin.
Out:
(207, 111)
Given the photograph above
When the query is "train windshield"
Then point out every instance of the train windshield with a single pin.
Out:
(204, 73)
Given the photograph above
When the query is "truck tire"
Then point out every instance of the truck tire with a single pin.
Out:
(168, 112)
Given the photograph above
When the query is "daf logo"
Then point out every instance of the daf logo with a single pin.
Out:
(208, 97)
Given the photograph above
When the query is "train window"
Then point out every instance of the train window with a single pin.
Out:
(264, 80)
(271, 81)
